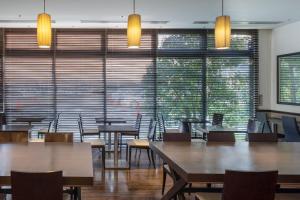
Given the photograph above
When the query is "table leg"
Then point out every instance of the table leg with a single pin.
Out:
(116, 143)
(176, 188)
(30, 129)
(109, 140)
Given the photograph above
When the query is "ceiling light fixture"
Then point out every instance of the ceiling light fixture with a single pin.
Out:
(134, 29)
(222, 31)
(44, 32)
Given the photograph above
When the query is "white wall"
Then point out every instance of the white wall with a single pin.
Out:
(265, 37)
(285, 39)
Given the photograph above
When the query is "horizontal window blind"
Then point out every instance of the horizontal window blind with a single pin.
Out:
(79, 90)
(179, 87)
(289, 79)
(29, 87)
(177, 73)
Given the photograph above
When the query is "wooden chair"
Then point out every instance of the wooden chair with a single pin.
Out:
(13, 137)
(135, 134)
(162, 126)
(95, 143)
(245, 186)
(86, 132)
(172, 137)
(220, 137)
(42, 132)
(59, 137)
(143, 144)
(37, 186)
(262, 137)
(217, 119)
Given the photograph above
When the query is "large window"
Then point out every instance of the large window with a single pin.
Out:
(177, 73)
(289, 79)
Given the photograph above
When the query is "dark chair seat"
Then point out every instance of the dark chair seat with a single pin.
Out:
(218, 196)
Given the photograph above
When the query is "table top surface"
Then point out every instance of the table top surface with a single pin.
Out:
(116, 128)
(14, 128)
(193, 120)
(110, 120)
(207, 162)
(75, 160)
(29, 119)
(222, 129)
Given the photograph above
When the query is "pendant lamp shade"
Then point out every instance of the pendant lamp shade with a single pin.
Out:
(134, 31)
(222, 32)
(44, 32)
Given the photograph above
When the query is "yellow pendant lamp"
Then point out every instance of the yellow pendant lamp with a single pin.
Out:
(44, 31)
(222, 31)
(134, 29)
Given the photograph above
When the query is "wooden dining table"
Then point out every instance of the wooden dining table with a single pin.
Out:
(110, 121)
(117, 130)
(14, 128)
(75, 160)
(207, 162)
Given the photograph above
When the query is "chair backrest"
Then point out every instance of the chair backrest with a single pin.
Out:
(56, 122)
(262, 137)
(264, 126)
(249, 185)
(291, 129)
(220, 137)
(37, 186)
(2, 119)
(161, 124)
(138, 122)
(152, 130)
(59, 137)
(217, 119)
(13, 137)
(176, 137)
(253, 126)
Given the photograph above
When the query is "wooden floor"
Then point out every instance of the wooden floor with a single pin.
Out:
(141, 182)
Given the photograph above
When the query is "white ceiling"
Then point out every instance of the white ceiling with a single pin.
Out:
(178, 13)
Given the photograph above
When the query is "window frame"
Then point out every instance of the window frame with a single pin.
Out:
(278, 79)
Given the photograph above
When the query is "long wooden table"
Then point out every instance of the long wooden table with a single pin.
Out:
(75, 160)
(207, 162)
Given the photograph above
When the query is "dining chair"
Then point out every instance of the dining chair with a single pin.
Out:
(291, 129)
(162, 127)
(172, 137)
(42, 132)
(220, 137)
(86, 132)
(95, 143)
(143, 144)
(59, 137)
(246, 186)
(13, 137)
(265, 126)
(135, 134)
(217, 119)
(253, 126)
(262, 137)
(37, 186)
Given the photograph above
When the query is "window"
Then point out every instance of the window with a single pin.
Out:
(177, 73)
(288, 79)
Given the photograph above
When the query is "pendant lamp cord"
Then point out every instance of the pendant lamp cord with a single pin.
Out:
(133, 6)
(44, 6)
(222, 7)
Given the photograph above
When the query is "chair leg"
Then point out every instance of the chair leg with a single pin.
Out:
(129, 160)
(152, 157)
(103, 156)
(127, 152)
(148, 153)
(164, 181)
